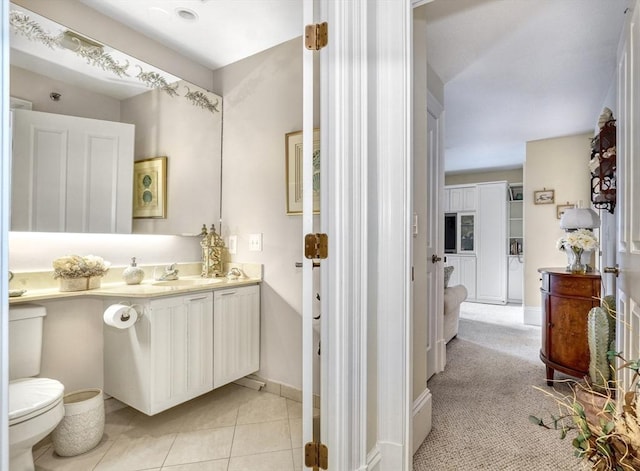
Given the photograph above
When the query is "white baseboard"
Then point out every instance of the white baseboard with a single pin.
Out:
(421, 418)
(374, 458)
(441, 348)
(281, 389)
(532, 315)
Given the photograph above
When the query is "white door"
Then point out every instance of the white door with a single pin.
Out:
(71, 174)
(628, 194)
(436, 351)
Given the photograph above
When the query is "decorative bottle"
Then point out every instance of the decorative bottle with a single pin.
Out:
(133, 274)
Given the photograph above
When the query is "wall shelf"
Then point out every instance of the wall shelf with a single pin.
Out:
(603, 167)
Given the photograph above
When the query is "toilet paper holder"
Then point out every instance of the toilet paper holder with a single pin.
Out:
(126, 316)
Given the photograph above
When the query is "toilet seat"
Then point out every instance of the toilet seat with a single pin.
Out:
(30, 397)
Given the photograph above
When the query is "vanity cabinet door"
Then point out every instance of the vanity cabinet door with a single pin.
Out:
(181, 349)
(236, 332)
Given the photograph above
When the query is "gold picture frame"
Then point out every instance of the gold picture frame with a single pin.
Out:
(544, 196)
(150, 188)
(293, 147)
(561, 208)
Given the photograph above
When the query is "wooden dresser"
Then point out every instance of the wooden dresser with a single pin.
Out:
(566, 301)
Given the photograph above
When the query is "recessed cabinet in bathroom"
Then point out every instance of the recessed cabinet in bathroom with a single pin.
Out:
(182, 347)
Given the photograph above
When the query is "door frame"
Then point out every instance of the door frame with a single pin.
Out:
(5, 140)
(366, 79)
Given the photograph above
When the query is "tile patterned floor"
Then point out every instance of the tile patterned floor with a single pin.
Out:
(230, 429)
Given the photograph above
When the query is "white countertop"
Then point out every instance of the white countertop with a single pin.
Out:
(113, 286)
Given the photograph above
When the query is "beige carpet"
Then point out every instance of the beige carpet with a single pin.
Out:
(482, 401)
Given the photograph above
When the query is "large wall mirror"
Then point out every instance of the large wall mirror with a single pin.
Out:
(84, 114)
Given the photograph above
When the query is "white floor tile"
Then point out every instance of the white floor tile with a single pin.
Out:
(275, 461)
(261, 438)
(202, 445)
(49, 461)
(217, 465)
(263, 408)
(135, 453)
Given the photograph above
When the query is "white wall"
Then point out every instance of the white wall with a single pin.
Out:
(558, 164)
(263, 102)
(510, 176)
(191, 139)
(74, 101)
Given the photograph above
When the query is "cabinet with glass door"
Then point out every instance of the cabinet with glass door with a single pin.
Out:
(466, 232)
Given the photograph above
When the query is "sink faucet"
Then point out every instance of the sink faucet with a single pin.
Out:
(170, 273)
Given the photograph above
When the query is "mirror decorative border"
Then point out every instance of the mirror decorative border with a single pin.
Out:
(96, 55)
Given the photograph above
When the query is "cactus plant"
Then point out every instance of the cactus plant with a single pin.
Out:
(601, 331)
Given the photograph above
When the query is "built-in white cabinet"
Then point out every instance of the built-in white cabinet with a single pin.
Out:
(515, 228)
(182, 347)
(480, 259)
(236, 333)
(466, 232)
(459, 198)
(515, 276)
(464, 273)
(491, 243)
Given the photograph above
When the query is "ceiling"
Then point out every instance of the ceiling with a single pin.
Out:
(514, 70)
(519, 70)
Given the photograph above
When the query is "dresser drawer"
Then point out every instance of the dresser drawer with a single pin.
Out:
(573, 286)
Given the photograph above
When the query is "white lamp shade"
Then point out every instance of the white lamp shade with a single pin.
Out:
(579, 218)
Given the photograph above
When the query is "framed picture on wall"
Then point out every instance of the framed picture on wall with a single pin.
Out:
(544, 196)
(293, 145)
(150, 188)
(561, 208)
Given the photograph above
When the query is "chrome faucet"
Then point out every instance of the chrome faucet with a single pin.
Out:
(170, 273)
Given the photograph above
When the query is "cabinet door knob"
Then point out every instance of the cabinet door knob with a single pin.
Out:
(435, 258)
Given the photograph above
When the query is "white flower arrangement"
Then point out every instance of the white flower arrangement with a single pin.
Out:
(75, 266)
(581, 239)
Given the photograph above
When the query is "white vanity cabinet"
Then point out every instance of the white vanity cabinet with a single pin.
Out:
(166, 358)
(236, 333)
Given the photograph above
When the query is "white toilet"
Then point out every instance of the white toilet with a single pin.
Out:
(35, 404)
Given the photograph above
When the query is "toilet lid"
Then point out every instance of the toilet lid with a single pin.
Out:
(29, 397)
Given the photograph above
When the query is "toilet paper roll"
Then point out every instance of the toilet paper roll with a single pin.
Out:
(120, 316)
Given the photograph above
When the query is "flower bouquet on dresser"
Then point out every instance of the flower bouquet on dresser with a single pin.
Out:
(77, 273)
(578, 245)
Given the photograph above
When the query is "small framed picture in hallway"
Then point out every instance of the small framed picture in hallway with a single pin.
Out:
(543, 196)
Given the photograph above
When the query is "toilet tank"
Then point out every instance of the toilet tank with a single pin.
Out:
(25, 340)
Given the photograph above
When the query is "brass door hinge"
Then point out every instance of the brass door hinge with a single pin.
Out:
(316, 456)
(316, 246)
(316, 36)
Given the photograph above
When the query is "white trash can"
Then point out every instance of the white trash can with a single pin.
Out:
(82, 426)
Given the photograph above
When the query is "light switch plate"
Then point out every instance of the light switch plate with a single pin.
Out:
(232, 245)
(255, 242)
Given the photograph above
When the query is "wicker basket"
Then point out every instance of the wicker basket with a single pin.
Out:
(82, 426)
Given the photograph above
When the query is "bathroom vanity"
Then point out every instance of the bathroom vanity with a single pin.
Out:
(192, 334)
(182, 347)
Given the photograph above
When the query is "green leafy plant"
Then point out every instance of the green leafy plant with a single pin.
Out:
(606, 434)
(601, 416)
